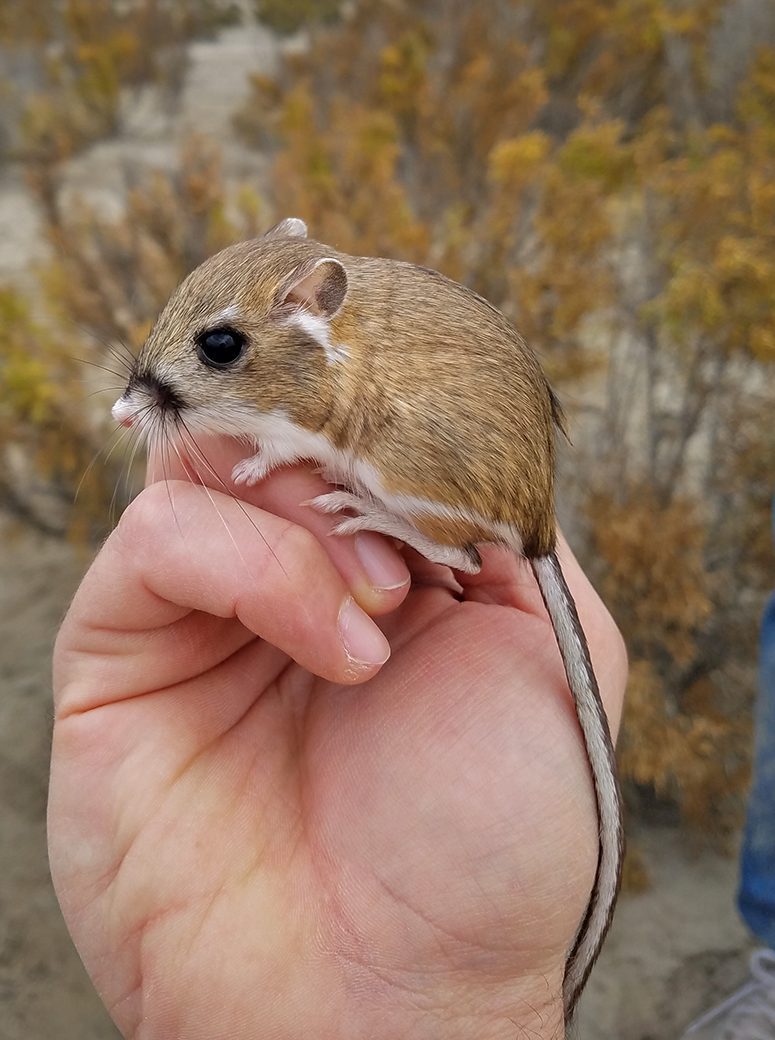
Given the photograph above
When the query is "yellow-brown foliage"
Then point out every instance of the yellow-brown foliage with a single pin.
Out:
(288, 16)
(698, 756)
(112, 277)
(106, 283)
(86, 54)
(664, 595)
(679, 738)
(45, 441)
(686, 575)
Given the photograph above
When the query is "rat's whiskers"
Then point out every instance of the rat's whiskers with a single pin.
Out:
(209, 495)
(190, 440)
(118, 435)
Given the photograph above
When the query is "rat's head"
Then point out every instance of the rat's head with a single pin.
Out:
(245, 331)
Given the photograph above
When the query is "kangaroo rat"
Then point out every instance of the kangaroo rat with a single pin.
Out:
(414, 394)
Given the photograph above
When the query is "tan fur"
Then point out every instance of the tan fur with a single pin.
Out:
(439, 392)
(446, 531)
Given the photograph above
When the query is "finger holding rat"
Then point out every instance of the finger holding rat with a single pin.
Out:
(154, 571)
(370, 563)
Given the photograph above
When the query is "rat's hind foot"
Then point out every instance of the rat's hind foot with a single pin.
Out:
(371, 517)
(336, 501)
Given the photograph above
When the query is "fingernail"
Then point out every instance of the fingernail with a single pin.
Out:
(362, 640)
(384, 567)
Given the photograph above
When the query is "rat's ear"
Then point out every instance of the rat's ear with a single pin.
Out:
(291, 227)
(318, 287)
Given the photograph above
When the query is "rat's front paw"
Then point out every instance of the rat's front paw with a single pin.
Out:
(250, 471)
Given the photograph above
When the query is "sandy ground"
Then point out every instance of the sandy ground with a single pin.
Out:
(44, 991)
(673, 950)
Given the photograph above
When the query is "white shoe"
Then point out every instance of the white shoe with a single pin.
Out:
(749, 1013)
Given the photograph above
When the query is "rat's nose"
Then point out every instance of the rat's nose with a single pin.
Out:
(123, 412)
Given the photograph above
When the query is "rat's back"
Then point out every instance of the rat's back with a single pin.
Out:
(445, 386)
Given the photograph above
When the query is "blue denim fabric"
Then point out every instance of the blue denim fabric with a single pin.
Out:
(756, 898)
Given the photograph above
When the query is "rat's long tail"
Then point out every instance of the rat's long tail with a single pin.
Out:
(597, 737)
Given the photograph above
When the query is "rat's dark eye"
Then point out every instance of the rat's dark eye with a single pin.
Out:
(220, 348)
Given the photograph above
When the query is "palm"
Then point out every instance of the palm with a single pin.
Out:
(246, 845)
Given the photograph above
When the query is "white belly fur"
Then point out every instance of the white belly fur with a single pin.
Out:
(281, 441)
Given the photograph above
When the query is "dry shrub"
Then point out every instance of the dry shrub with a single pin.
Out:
(635, 873)
(104, 286)
(662, 606)
(112, 277)
(683, 737)
(463, 183)
(77, 60)
(46, 439)
(697, 757)
(288, 16)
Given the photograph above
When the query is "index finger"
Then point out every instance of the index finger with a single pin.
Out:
(369, 563)
(154, 570)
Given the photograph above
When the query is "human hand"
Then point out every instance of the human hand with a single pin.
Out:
(249, 840)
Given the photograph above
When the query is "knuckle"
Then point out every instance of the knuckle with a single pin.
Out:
(296, 542)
